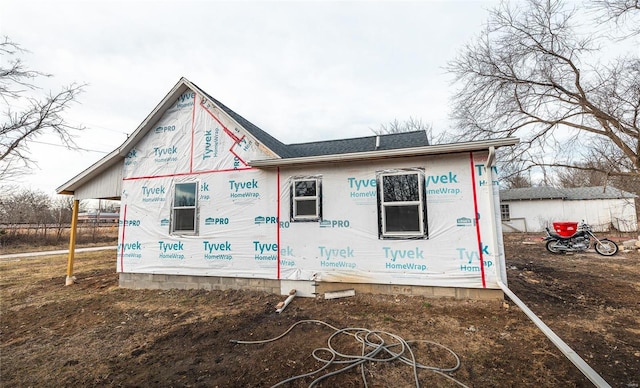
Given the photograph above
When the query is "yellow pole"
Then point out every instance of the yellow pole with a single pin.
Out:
(72, 242)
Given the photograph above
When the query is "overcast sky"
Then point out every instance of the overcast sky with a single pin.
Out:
(302, 71)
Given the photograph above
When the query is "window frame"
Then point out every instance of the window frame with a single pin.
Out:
(174, 209)
(293, 198)
(505, 215)
(421, 202)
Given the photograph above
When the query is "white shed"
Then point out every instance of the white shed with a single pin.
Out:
(531, 209)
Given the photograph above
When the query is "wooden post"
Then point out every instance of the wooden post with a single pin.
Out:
(72, 242)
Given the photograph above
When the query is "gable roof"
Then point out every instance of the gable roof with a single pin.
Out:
(362, 148)
(328, 147)
(263, 137)
(181, 87)
(568, 194)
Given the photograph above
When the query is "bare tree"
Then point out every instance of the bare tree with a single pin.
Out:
(61, 212)
(395, 126)
(619, 11)
(26, 208)
(573, 177)
(410, 125)
(517, 181)
(27, 116)
(528, 75)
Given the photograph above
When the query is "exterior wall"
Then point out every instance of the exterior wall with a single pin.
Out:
(601, 214)
(604, 213)
(534, 216)
(350, 203)
(245, 231)
(183, 282)
(107, 185)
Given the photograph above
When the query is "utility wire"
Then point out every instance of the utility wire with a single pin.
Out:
(68, 147)
(89, 125)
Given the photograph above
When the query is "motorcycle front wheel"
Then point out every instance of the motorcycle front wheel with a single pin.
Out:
(606, 247)
(552, 246)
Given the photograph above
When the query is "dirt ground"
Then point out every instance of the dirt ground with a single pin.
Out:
(96, 334)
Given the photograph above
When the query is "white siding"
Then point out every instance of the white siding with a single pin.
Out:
(535, 215)
(107, 185)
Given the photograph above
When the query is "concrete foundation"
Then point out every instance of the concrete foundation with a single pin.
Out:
(273, 286)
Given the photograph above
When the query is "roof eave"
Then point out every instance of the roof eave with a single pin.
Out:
(532, 199)
(69, 187)
(386, 154)
(119, 153)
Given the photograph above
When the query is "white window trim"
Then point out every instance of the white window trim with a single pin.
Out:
(195, 230)
(503, 212)
(318, 198)
(421, 202)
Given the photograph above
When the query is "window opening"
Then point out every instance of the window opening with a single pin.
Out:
(505, 214)
(402, 204)
(185, 208)
(306, 199)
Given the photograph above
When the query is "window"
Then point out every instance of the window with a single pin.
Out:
(306, 199)
(184, 210)
(504, 212)
(402, 204)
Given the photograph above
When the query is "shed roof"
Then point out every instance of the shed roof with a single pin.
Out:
(568, 194)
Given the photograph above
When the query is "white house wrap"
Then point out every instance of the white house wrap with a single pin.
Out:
(205, 193)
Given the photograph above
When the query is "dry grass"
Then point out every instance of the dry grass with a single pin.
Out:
(28, 241)
(96, 334)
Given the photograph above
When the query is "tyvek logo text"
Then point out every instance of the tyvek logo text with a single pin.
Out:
(165, 154)
(445, 184)
(334, 257)
(265, 251)
(131, 249)
(362, 188)
(211, 143)
(411, 258)
(186, 100)
(217, 250)
(171, 250)
(153, 193)
(481, 169)
(244, 189)
(470, 256)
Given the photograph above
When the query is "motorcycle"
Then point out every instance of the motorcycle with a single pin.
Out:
(580, 241)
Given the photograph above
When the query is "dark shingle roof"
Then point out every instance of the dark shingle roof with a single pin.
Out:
(360, 144)
(330, 147)
(570, 194)
(263, 137)
(598, 192)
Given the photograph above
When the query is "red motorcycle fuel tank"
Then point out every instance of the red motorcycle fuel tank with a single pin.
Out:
(565, 229)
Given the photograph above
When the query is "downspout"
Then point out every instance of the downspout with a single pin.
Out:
(72, 243)
(586, 370)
